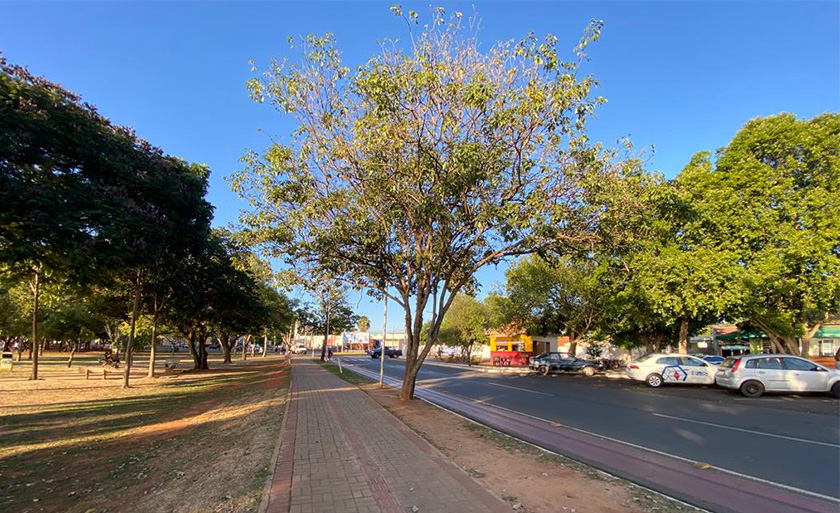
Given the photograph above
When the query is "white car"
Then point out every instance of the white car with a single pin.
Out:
(299, 349)
(657, 369)
(752, 375)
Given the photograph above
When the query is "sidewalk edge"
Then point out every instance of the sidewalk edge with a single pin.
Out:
(272, 466)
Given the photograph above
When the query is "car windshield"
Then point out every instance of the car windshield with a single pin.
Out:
(645, 357)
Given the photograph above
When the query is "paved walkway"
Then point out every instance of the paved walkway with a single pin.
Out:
(342, 452)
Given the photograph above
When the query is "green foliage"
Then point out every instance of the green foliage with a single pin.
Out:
(465, 324)
(363, 324)
(558, 296)
(772, 201)
(425, 164)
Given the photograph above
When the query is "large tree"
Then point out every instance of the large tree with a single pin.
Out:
(408, 174)
(83, 200)
(772, 198)
(553, 296)
(465, 325)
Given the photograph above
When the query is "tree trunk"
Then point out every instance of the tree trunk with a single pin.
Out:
(33, 352)
(265, 343)
(202, 348)
(412, 366)
(224, 341)
(684, 336)
(245, 340)
(72, 352)
(409, 380)
(129, 347)
(191, 347)
(327, 337)
(807, 335)
(153, 353)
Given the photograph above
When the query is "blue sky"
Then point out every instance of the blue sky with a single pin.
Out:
(680, 77)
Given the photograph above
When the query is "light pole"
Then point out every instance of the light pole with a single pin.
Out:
(382, 347)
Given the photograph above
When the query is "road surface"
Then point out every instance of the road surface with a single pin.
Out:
(791, 441)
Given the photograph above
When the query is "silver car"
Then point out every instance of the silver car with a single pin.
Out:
(755, 374)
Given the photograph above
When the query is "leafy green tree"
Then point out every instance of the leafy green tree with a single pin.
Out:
(772, 200)
(363, 324)
(561, 295)
(465, 325)
(84, 201)
(214, 292)
(15, 317)
(408, 174)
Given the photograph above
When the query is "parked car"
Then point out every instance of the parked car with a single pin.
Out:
(714, 360)
(753, 375)
(656, 369)
(299, 349)
(390, 352)
(547, 363)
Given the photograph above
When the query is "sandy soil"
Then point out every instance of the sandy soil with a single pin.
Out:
(189, 442)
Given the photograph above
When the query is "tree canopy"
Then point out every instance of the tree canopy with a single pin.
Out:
(410, 173)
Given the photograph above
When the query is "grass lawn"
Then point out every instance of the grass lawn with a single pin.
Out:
(346, 375)
(186, 442)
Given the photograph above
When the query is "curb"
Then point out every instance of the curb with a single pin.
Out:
(272, 466)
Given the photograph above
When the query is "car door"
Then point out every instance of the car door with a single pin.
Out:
(567, 363)
(802, 375)
(671, 369)
(554, 361)
(698, 371)
(770, 371)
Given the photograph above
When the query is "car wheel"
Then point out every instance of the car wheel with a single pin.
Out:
(835, 390)
(752, 389)
(543, 370)
(588, 371)
(654, 380)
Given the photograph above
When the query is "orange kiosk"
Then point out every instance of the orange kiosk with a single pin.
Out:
(510, 351)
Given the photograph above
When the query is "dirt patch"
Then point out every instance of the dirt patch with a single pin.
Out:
(194, 442)
(529, 479)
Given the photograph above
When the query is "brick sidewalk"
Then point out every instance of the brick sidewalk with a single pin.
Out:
(342, 452)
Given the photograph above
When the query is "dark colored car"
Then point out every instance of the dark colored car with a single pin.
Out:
(390, 352)
(547, 363)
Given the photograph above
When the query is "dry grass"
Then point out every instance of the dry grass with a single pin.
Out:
(186, 442)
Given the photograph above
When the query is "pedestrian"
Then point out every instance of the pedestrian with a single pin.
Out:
(329, 354)
(837, 359)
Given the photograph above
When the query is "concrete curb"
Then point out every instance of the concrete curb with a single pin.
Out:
(272, 466)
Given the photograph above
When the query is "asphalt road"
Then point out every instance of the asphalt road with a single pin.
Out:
(790, 440)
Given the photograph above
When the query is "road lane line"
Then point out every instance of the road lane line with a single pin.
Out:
(721, 426)
(518, 388)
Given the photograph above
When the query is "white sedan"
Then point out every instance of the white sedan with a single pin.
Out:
(657, 369)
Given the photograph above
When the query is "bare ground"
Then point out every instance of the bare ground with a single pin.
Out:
(188, 442)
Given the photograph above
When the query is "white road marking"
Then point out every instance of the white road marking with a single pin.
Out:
(518, 388)
(732, 428)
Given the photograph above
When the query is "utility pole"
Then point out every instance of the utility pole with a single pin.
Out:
(382, 347)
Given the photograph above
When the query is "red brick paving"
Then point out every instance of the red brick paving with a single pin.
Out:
(342, 452)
